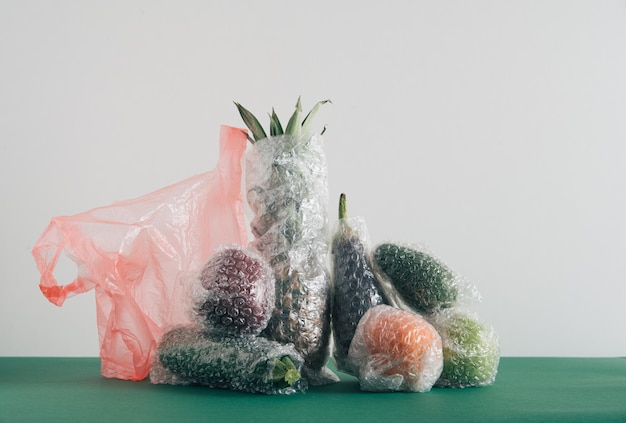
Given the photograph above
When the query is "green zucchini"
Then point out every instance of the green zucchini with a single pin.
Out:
(241, 363)
(421, 280)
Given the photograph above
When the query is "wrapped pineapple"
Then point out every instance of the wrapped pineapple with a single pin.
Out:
(286, 183)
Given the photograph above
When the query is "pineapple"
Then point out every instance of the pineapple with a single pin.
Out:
(286, 182)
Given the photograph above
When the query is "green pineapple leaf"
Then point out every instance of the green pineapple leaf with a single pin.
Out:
(294, 126)
(275, 127)
(307, 123)
(252, 123)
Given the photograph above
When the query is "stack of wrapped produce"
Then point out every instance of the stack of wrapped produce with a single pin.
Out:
(265, 316)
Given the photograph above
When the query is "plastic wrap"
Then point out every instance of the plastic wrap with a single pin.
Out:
(189, 355)
(233, 293)
(414, 278)
(355, 288)
(471, 350)
(133, 253)
(286, 182)
(396, 350)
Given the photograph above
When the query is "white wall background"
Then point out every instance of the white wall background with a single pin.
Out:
(493, 131)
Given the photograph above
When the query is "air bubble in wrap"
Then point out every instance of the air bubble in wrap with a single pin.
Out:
(189, 355)
(287, 190)
(233, 293)
(396, 350)
(471, 350)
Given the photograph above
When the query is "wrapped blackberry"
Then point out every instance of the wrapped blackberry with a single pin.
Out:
(287, 190)
(355, 287)
(233, 293)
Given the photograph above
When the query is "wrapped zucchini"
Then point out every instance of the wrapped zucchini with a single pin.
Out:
(190, 355)
(355, 288)
(286, 183)
(421, 280)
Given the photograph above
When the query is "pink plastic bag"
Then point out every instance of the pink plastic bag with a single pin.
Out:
(135, 252)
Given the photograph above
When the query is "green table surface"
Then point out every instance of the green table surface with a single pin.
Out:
(526, 390)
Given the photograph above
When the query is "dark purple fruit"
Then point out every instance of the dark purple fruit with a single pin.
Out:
(235, 294)
(355, 287)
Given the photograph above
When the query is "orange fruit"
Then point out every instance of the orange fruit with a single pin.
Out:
(396, 350)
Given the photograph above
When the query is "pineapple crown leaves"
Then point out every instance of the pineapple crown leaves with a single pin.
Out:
(296, 126)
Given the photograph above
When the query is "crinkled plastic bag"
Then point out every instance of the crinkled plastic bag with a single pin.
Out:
(134, 253)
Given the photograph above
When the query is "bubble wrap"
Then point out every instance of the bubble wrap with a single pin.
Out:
(189, 355)
(355, 288)
(414, 278)
(233, 293)
(286, 182)
(471, 350)
(396, 350)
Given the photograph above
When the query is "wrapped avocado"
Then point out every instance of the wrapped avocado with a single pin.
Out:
(471, 351)
(189, 355)
(355, 288)
(234, 293)
(286, 183)
(422, 281)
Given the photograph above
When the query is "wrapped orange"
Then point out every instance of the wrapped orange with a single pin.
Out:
(396, 350)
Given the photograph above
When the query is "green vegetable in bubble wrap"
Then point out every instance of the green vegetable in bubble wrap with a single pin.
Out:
(422, 281)
(355, 288)
(287, 190)
(190, 355)
(471, 351)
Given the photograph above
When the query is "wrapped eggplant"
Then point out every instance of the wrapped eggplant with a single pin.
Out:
(355, 288)
(286, 183)
(189, 355)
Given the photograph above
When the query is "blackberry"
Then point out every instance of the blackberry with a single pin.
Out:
(235, 293)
